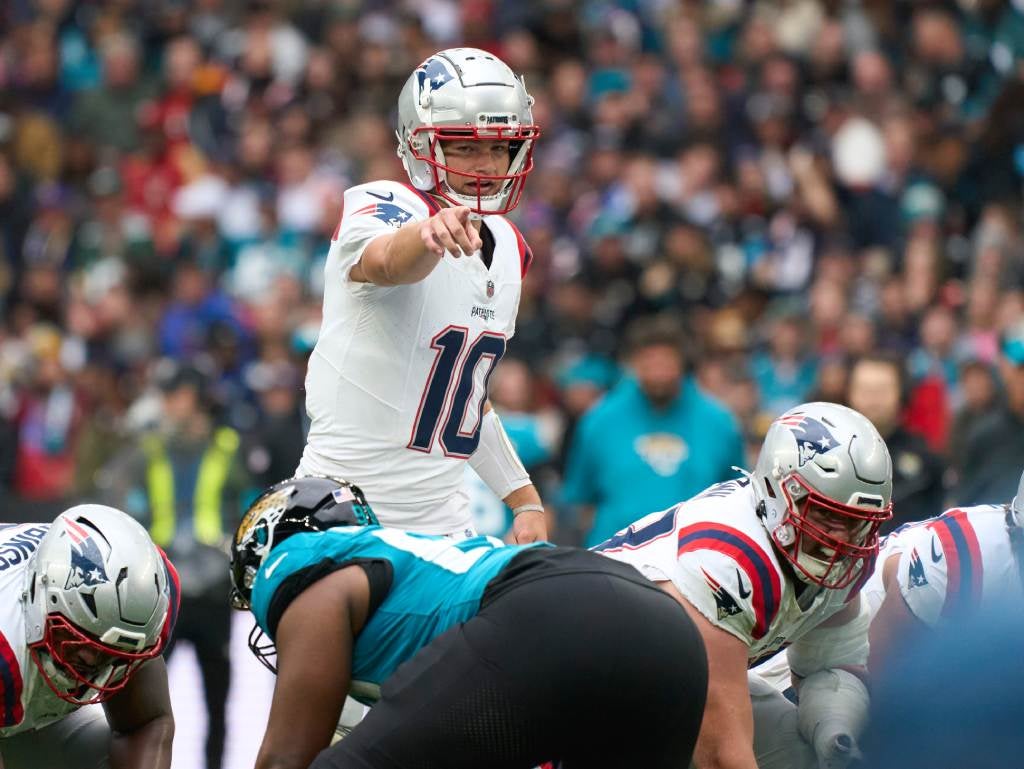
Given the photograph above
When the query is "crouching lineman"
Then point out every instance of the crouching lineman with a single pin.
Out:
(475, 654)
(940, 572)
(930, 575)
(771, 560)
(88, 604)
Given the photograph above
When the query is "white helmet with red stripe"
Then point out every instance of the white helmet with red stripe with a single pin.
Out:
(99, 601)
(824, 485)
(465, 94)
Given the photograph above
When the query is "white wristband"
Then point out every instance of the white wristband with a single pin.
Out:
(495, 460)
(531, 508)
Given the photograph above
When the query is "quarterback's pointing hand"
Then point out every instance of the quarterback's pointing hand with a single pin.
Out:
(449, 230)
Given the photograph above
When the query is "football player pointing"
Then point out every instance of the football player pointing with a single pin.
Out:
(422, 291)
(775, 559)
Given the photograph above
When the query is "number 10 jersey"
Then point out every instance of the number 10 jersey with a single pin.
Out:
(398, 378)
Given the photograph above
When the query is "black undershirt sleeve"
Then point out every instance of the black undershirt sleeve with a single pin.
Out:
(379, 572)
(487, 250)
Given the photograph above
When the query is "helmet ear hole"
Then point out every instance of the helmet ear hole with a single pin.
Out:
(90, 603)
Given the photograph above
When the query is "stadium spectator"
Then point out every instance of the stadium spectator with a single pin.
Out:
(273, 445)
(877, 389)
(994, 449)
(186, 480)
(655, 438)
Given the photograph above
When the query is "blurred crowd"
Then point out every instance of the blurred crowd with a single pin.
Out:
(824, 197)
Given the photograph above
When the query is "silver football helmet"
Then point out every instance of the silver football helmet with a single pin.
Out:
(99, 600)
(465, 94)
(824, 481)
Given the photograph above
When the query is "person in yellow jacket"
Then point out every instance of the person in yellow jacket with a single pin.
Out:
(185, 481)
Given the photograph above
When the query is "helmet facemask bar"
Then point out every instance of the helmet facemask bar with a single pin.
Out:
(62, 642)
(263, 649)
(838, 562)
(513, 181)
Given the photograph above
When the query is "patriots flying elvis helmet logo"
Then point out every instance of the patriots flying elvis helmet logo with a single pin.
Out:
(86, 560)
(916, 575)
(434, 72)
(724, 602)
(388, 213)
(812, 437)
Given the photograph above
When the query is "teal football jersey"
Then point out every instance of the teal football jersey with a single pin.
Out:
(437, 583)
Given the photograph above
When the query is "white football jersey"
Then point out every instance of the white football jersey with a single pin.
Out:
(717, 553)
(26, 702)
(398, 378)
(956, 562)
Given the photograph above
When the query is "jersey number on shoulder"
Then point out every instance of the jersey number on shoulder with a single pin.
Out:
(453, 382)
(440, 552)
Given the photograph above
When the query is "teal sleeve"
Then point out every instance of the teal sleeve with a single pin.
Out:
(735, 451)
(579, 487)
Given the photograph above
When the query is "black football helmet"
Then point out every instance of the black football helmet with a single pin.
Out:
(290, 507)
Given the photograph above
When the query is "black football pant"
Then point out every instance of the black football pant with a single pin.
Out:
(572, 657)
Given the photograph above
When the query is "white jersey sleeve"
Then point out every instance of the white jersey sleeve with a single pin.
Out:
(949, 564)
(921, 578)
(718, 588)
(371, 210)
(717, 554)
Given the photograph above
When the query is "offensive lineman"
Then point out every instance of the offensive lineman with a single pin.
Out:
(471, 650)
(930, 575)
(422, 291)
(940, 571)
(89, 602)
(771, 560)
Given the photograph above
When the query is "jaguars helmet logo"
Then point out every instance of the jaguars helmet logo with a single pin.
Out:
(263, 515)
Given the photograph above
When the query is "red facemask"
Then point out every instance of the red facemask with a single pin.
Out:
(511, 184)
(844, 559)
(99, 671)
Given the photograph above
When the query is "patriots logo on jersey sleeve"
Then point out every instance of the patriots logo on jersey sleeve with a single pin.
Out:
(86, 560)
(388, 213)
(727, 606)
(433, 72)
(916, 575)
(812, 437)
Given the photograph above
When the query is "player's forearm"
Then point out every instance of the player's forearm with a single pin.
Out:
(272, 761)
(524, 495)
(399, 259)
(730, 753)
(726, 738)
(148, 747)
